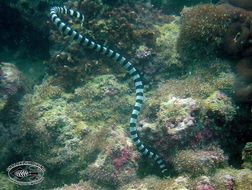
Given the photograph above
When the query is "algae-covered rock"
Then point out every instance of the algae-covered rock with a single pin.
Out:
(70, 129)
(232, 179)
(220, 106)
(247, 156)
(96, 100)
(154, 183)
(173, 127)
(11, 80)
(176, 115)
(167, 56)
(199, 162)
(80, 186)
(116, 164)
(199, 82)
(5, 183)
(203, 183)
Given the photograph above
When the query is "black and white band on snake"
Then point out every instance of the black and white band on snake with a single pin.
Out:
(121, 61)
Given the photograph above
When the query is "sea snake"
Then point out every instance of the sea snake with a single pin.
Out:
(65, 29)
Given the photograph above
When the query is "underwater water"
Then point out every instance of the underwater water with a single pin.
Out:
(126, 95)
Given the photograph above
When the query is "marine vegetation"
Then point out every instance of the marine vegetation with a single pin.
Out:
(66, 104)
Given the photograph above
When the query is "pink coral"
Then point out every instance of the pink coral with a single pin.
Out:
(204, 184)
(121, 159)
(204, 187)
(229, 182)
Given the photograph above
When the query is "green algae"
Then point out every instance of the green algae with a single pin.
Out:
(166, 45)
(220, 104)
(247, 156)
(5, 183)
(199, 162)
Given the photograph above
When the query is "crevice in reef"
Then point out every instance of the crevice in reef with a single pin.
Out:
(19, 34)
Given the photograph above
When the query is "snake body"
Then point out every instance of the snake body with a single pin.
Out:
(83, 41)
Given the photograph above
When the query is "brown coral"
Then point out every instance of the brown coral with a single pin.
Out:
(215, 27)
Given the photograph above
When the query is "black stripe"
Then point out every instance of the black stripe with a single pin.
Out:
(101, 48)
(113, 54)
(142, 151)
(64, 11)
(58, 24)
(70, 32)
(119, 58)
(139, 101)
(107, 51)
(133, 132)
(148, 153)
(137, 108)
(130, 67)
(54, 18)
(132, 125)
(158, 159)
(125, 62)
(68, 12)
(138, 145)
(134, 73)
(153, 156)
(76, 36)
(135, 139)
(82, 40)
(138, 80)
(64, 28)
(139, 94)
(134, 116)
(75, 14)
(89, 42)
(95, 46)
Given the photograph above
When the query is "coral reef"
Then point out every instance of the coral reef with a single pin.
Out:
(204, 183)
(172, 120)
(148, 183)
(5, 183)
(176, 115)
(220, 107)
(224, 179)
(75, 122)
(12, 88)
(69, 130)
(231, 179)
(80, 186)
(116, 164)
(123, 28)
(247, 156)
(224, 29)
(199, 162)
(11, 80)
(237, 40)
(243, 85)
(213, 27)
(167, 57)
